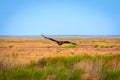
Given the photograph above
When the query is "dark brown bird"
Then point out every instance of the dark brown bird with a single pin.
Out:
(59, 42)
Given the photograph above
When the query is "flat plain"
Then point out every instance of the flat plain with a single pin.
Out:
(41, 59)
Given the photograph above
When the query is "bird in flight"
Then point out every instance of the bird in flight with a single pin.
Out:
(59, 42)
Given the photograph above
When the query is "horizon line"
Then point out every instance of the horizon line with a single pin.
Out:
(71, 36)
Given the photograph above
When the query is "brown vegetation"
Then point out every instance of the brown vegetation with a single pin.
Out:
(23, 50)
(38, 52)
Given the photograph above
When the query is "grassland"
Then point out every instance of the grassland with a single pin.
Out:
(40, 59)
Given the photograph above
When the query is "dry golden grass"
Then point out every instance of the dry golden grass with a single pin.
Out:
(21, 51)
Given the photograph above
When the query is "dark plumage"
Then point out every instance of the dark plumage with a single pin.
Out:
(59, 42)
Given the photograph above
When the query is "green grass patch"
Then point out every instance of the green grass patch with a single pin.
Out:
(61, 68)
(112, 75)
(109, 46)
(103, 46)
(70, 46)
(95, 46)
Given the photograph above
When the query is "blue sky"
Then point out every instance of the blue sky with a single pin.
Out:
(60, 17)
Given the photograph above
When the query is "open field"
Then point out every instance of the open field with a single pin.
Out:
(41, 59)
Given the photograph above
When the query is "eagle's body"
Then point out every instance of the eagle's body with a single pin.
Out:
(59, 42)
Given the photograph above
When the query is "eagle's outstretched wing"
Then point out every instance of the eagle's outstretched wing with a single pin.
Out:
(49, 38)
(69, 42)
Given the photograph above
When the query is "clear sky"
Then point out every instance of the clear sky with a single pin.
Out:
(60, 17)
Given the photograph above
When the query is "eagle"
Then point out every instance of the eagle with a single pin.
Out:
(59, 42)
